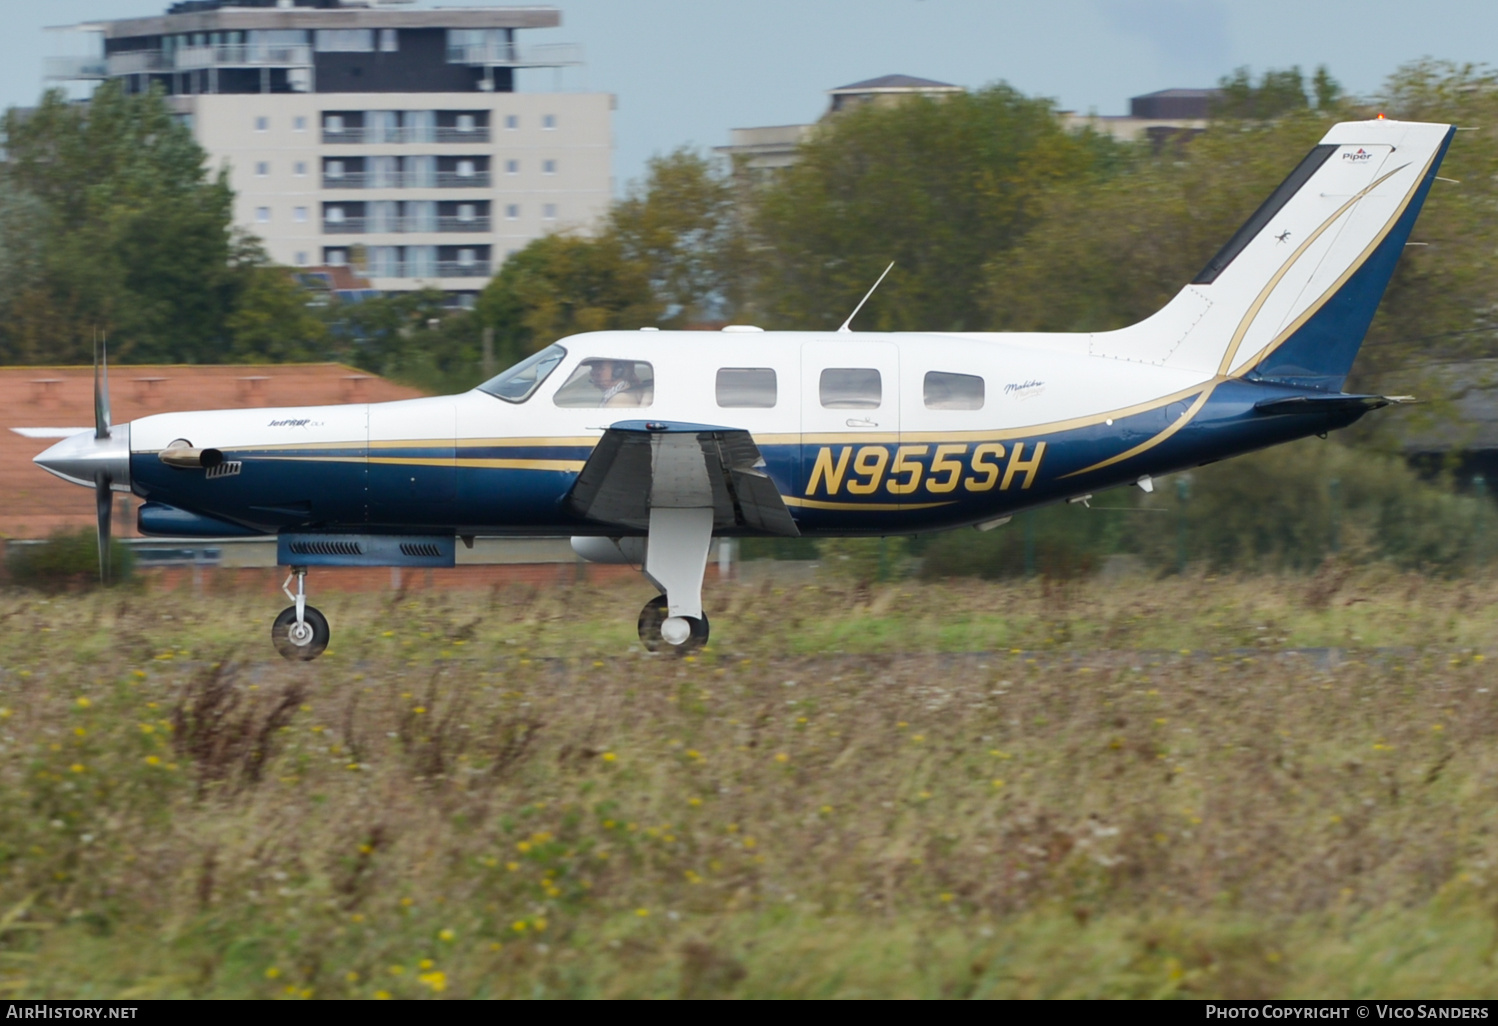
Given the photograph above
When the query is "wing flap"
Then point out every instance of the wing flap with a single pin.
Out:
(639, 466)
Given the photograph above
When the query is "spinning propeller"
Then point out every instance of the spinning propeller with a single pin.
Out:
(99, 459)
(103, 492)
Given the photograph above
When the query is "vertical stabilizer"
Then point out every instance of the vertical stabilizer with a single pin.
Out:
(1290, 296)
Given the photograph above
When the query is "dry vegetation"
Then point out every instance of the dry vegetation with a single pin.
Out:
(923, 790)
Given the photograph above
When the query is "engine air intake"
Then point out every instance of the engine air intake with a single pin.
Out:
(326, 548)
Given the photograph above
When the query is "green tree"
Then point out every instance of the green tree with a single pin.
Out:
(681, 223)
(1107, 253)
(1278, 92)
(270, 321)
(937, 186)
(563, 284)
(135, 237)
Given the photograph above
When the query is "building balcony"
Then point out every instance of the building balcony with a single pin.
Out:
(369, 226)
(457, 269)
(441, 269)
(458, 224)
(75, 69)
(478, 134)
(241, 55)
(347, 180)
(453, 180)
(368, 136)
(509, 55)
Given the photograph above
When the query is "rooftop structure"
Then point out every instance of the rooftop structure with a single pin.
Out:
(363, 134)
(1159, 116)
(765, 151)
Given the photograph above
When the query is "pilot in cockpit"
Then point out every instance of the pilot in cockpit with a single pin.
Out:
(617, 381)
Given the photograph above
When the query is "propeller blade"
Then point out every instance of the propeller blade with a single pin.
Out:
(104, 502)
(101, 388)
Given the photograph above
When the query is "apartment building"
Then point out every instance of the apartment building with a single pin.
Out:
(360, 134)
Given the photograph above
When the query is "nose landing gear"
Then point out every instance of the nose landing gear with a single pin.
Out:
(300, 632)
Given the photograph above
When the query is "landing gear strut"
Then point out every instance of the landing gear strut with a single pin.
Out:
(300, 632)
(675, 561)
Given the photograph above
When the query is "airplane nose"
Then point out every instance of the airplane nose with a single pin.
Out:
(78, 458)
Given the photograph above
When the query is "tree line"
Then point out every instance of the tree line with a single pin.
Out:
(996, 217)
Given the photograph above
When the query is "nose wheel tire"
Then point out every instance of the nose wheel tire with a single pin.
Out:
(659, 631)
(304, 641)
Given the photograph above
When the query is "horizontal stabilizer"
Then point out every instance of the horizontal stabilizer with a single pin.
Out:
(638, 466)
(1300, 405)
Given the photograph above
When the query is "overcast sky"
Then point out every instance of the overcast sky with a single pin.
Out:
(686, 71)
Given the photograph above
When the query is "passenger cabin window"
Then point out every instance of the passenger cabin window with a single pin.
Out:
(851, 388)
(746, 388)
(946, 391)
(611, 383)
(516, 384)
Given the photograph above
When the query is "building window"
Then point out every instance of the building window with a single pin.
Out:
(512, 212)
(333, 124)
(262, 124)
(467, 257)
(548, 167)
(337, 258)
(299, 124)
(333, 169)
(512, 167)
(549, 121)
(301, 258)
(334, 215)
(344, 40)
(389, 41)
(299, 215)
(467, 123)
(262, 169)
(512, 121)
(467, 212)
(467, 301)
(299, 169)
(549, 211)
(465, 169)
(262, 215)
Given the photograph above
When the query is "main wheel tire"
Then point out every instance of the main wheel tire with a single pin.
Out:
(651, 618)
(303, 642)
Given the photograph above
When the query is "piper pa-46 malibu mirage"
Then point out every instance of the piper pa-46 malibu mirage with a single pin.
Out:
(645, 445)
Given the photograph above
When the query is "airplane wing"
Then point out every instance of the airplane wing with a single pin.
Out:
(640, 465)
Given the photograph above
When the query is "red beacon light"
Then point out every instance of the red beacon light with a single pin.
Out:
(1379, 118)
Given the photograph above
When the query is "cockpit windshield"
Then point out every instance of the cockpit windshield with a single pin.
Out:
(516, 384)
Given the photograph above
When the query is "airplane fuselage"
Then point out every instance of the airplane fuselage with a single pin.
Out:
(1023, 425)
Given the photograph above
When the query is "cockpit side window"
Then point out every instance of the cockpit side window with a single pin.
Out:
(608, 382)
(518, 383)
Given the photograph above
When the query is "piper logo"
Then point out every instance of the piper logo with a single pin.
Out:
(1358, 157)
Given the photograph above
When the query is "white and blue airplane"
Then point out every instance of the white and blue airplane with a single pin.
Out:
(644, 445)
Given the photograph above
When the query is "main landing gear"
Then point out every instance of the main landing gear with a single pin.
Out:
(300, 632)
(675, 562)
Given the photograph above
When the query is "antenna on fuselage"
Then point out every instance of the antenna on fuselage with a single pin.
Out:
(845, 329)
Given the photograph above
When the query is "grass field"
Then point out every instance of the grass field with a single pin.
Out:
(1123, 788)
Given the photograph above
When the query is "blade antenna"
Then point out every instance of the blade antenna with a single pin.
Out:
(845, 329)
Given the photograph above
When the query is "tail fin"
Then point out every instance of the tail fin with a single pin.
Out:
(1291, 295)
